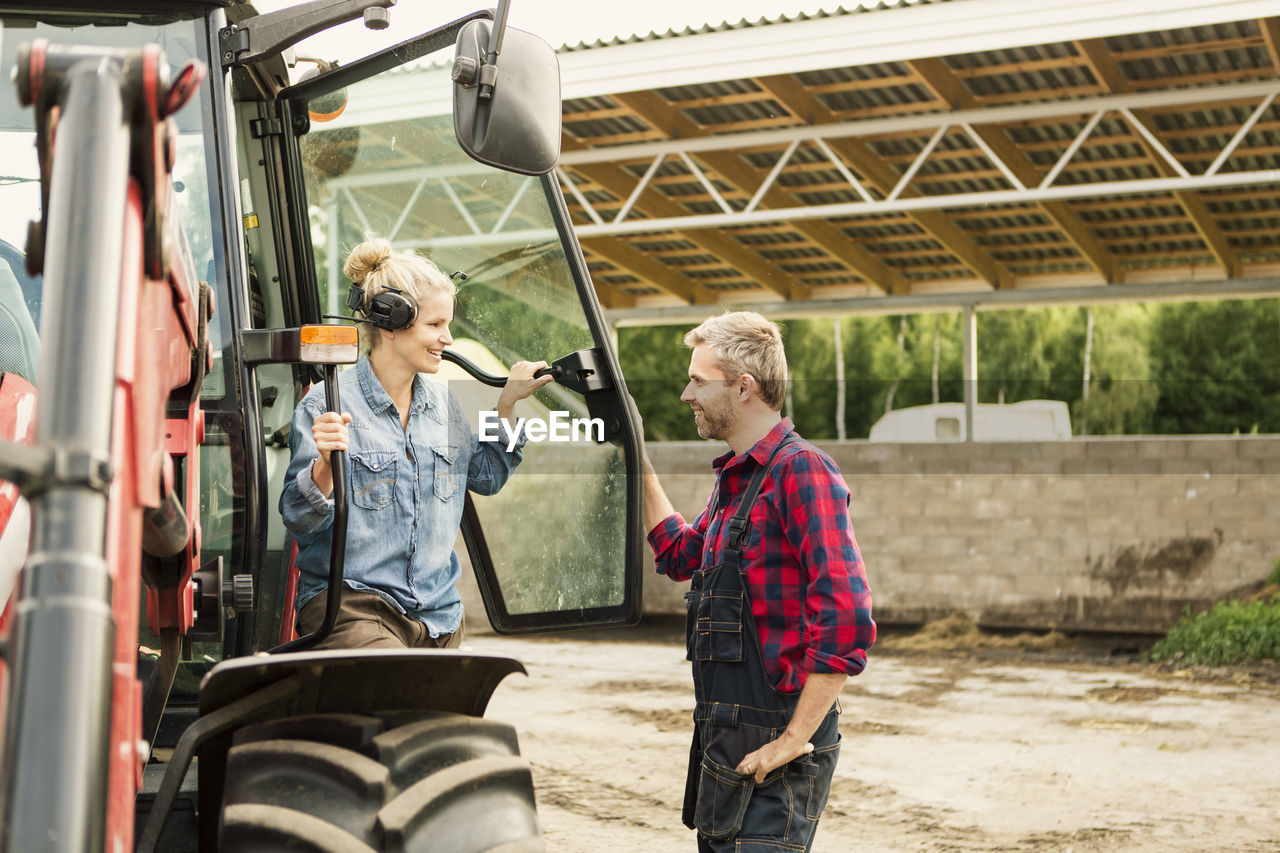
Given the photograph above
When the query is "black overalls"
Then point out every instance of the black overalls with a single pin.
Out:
(739, 710)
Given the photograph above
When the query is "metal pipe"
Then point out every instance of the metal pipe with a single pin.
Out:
(1211, 95)
(925, 122)
(338, 544)
(496, 34)
(56, 729)
(970, 369)
(980, 300)
(165, 528)
(693, 222)
(1240, 134)
(897, 205)
(156, 690)
(1071, 150)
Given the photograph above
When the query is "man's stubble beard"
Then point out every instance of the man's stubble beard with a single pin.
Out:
(718, 421)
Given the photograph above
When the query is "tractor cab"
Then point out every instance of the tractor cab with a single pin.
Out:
(444, 144)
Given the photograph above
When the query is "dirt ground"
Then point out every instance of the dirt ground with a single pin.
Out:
(1003, 745)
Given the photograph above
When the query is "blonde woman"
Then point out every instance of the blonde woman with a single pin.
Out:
(411, 456)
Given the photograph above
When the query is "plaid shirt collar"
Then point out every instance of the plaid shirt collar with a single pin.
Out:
(760, 451)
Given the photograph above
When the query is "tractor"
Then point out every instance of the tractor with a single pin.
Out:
(178, 188)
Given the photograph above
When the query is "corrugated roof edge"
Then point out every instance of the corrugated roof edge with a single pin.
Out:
(744, 23)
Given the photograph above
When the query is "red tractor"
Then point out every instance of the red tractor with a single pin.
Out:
(161, 313)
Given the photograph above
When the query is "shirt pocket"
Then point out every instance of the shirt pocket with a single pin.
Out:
(446, 471)
(373, 478)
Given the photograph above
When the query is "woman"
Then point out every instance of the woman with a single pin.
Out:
(411, 457)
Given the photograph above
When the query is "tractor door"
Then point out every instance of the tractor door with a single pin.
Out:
(374, 153)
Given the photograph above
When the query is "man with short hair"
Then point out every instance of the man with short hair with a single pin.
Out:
(779, 607)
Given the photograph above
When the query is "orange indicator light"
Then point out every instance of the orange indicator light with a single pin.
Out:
(329, 344)
(329, 335)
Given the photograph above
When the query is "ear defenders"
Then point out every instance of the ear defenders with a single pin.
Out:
(390, 310)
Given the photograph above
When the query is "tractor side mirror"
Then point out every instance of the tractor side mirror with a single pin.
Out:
(506, 113)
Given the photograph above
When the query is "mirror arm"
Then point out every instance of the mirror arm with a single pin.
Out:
(266, 35)
(489, 70)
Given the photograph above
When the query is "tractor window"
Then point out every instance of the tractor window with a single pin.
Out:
(182, 36)
(552, 549)
(19, 167)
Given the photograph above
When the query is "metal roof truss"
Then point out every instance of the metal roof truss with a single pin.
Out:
(1090, 112)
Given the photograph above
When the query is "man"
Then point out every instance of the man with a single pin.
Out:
(779, 608)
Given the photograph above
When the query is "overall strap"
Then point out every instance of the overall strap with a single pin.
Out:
(738, 525)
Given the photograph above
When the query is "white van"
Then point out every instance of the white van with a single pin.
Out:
(1029, 420)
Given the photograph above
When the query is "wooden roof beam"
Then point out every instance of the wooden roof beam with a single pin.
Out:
(884, 177)
(1270, 28)
(661, 276)
(611, 297)
(1197, 210)
(612, 179)
(658, 112)
(1102, 64)
(1192, 47)
(935, 74)
(862, 83)
(1106, 70)
(715, 243)
(1019, 66)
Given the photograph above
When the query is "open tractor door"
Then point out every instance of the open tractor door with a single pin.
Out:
(193, 200)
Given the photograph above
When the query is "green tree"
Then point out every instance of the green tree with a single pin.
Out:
(1217, 366)
(811, 362)
(1122, 396)
(656, 364)
(1016, 352)
(904, 359)
(865, 390)
(1190, 368)
(1064, 347)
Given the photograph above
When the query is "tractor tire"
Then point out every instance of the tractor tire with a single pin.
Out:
(388, 783)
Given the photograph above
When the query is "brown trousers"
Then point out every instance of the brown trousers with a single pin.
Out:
(367, 621)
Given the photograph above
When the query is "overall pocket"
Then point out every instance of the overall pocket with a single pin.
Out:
(820, 766)
(446, 475)
(718, 631)
(723, 795)
(373, 478)
(690, 622)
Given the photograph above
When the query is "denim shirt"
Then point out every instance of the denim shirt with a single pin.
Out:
(407, 492)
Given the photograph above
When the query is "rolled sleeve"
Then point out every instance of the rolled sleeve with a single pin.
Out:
(838, 628)
(677, 546)
(666, 534)
(311, 492)
(491, 463)
(303, 507)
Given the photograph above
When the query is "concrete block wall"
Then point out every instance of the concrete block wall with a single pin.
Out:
(1096, 534)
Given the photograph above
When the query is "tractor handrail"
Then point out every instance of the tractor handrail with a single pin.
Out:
(338, 546)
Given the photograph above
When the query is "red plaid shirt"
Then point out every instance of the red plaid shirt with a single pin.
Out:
(808, 588)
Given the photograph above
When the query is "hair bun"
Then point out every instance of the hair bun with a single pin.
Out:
(365, 258)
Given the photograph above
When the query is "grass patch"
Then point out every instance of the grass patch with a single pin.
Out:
(1231, 632)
